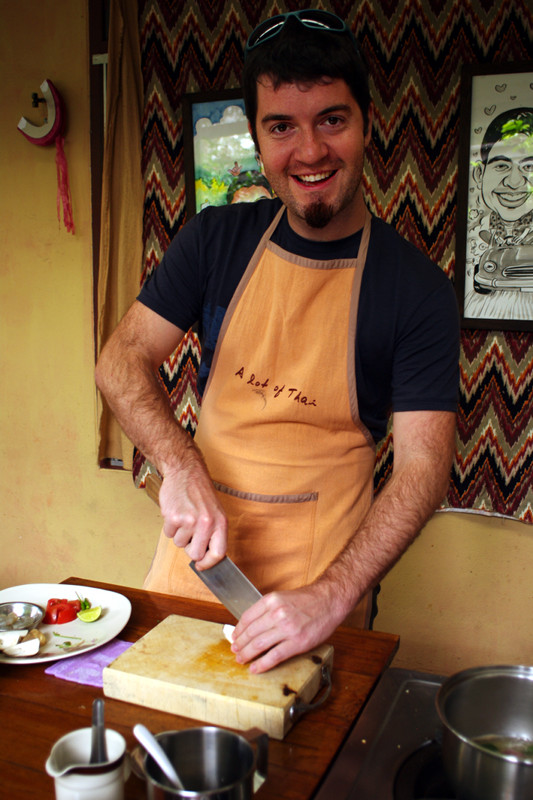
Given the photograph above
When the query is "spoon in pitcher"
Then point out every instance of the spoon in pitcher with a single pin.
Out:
(98, 743)
(152, 746)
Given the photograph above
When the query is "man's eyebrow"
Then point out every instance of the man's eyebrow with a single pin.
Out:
(499, 158)
(273, 117)
(344, 107)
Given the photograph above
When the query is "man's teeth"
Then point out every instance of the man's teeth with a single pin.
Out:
(320, 176)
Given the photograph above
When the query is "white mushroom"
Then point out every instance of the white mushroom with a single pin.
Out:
(28, 648)
(10, 638)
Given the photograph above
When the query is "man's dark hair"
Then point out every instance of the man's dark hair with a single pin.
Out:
(299, 54)
(506, 124)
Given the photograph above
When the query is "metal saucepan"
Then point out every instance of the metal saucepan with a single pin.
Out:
(212, 763)
(486, 711)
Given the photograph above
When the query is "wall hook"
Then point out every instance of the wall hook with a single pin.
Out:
(52, 128)
(52, 131)
(35, 100)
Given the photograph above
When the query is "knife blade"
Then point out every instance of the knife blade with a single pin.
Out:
(229, 585)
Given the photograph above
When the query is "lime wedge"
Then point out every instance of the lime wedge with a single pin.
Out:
(90, 614)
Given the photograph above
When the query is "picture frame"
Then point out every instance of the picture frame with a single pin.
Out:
(494, 232)
(221, 165)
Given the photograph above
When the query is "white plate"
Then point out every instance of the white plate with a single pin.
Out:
(75, 637)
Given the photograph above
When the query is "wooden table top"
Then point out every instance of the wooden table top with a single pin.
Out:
(37, 709)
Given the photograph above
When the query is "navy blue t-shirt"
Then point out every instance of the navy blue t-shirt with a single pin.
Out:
(407, 340)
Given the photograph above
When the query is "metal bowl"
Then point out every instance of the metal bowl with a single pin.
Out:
(20, 616)
(480, 702)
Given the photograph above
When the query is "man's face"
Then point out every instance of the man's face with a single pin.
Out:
(312, 142)
(507, 183)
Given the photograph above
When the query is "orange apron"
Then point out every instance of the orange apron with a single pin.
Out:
(279, 426)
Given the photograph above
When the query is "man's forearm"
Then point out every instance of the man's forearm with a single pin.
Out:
(397, 516)
(141, 408)
(127, 377)
(392, 523)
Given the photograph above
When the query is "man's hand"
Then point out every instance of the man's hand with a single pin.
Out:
(282, 625)
(192, 515)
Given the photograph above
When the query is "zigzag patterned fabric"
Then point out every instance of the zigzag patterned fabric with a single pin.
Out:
(415, 51)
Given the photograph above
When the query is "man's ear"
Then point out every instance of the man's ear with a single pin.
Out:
(477, 173)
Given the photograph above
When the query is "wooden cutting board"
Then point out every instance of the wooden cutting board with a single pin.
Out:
(185, 666)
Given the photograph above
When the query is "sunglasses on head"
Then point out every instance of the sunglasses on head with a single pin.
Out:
(313, 19)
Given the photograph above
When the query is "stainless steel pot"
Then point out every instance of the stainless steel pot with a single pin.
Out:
(480, 702)
(212, 763)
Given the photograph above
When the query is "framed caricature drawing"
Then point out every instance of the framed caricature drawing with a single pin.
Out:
(494, 250)
(220, 160)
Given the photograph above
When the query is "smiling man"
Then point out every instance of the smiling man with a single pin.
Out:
(316, 320)
(505, 175)
(312, 141)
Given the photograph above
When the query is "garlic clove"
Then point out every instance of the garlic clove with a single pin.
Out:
(227, 630)
(35, 633)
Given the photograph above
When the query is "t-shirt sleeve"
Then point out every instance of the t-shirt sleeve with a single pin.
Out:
(175, 288)
(407, 347)
(425, 372)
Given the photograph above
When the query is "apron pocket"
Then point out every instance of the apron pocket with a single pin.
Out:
(270, 536)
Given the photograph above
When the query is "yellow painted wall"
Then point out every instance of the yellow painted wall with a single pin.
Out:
(461, 595)
(60, 515)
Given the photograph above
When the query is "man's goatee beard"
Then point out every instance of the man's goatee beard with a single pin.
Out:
(318, 214)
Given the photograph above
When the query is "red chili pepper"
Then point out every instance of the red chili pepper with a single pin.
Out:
(61, 611)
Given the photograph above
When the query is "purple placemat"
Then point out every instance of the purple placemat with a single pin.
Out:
(88, 668)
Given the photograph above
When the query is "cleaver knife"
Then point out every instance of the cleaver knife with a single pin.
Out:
(229, 585)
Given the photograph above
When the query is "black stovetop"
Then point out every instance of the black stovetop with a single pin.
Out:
(393, 751)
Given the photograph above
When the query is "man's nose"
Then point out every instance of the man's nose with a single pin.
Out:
(515, 178)
(311, 146)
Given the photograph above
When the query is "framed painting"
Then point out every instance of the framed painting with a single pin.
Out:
(221, 166)
(494, 242)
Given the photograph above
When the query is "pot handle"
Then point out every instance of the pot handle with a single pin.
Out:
(299, 708)
(260, 739)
